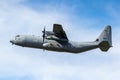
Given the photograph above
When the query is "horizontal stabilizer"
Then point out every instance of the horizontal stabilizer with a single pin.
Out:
(105, 39)
(104, 46)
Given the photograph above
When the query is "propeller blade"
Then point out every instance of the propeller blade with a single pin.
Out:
(43, 34)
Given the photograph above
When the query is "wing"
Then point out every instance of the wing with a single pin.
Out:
(59, 32)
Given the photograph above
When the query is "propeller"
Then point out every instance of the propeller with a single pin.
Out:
(43, 35)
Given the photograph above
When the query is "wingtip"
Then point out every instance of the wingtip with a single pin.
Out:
(108, 26)
(57, 24)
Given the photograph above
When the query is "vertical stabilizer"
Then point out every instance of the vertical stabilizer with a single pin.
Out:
(105, 39)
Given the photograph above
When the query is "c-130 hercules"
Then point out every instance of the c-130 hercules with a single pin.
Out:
(57, 40)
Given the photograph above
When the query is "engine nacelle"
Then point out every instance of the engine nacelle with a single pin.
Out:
(56, 38)
(49, 33)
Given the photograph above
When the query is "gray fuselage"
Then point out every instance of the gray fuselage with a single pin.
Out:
(53, 45)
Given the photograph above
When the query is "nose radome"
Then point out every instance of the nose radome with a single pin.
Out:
(12, 41)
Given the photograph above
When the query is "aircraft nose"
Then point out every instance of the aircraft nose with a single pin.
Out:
(12, 41)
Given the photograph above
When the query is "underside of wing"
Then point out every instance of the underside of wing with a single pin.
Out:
(59, 32)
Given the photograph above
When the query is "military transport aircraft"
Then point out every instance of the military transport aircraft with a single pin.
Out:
(57, 40)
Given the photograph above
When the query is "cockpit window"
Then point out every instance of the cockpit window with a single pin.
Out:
(18, 36)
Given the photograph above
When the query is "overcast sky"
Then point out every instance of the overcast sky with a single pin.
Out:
(83, 20)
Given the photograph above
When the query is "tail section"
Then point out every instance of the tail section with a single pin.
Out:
(105, 39)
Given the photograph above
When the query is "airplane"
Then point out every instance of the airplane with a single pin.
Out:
(57, 40)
